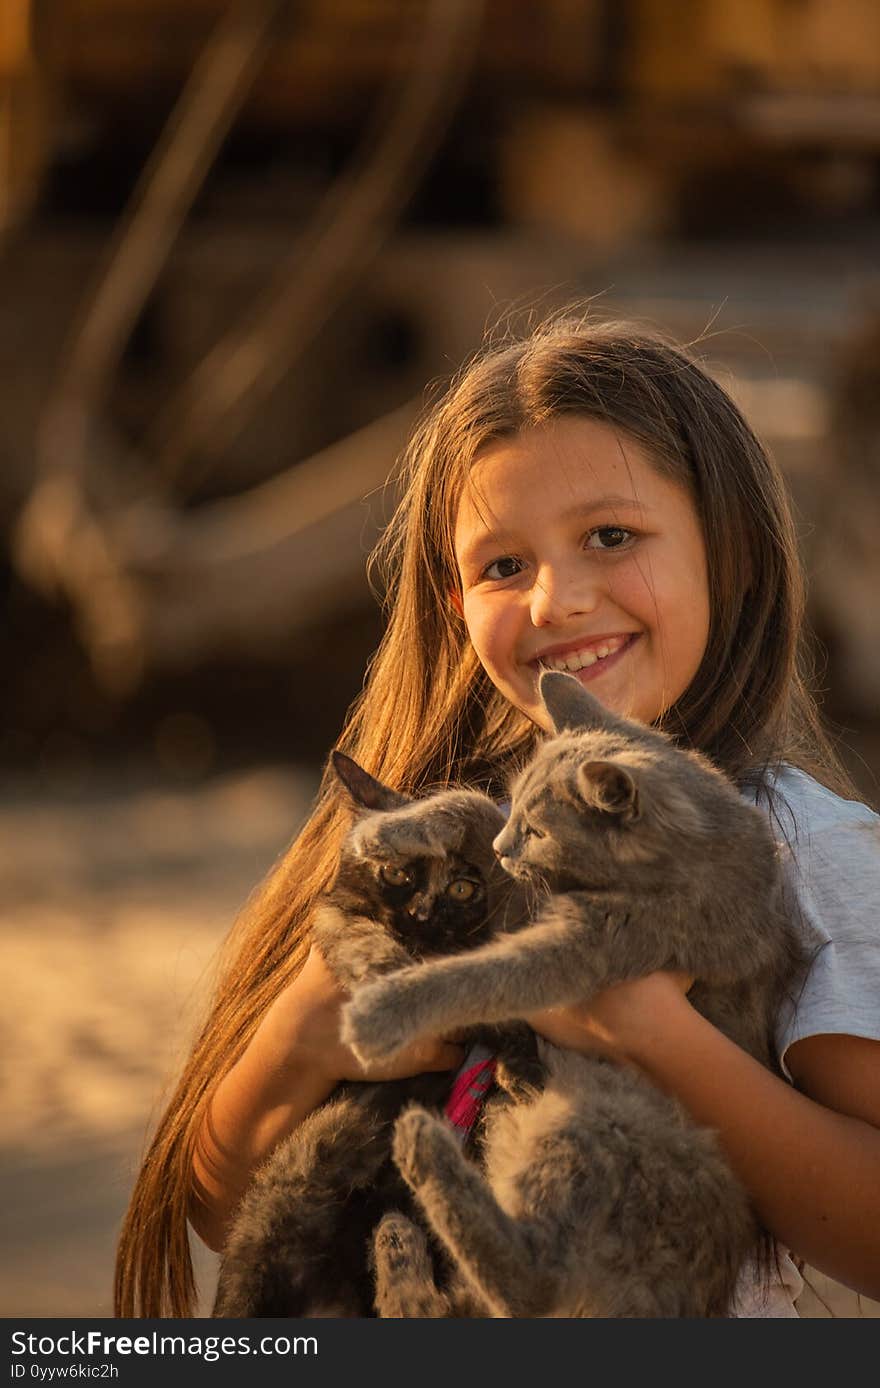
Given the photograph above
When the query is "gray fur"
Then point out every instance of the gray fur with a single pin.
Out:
(302, 1239)
(601, 1197)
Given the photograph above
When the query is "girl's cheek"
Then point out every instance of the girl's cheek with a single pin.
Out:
(475, 629)
(497, 633)
(485, 629)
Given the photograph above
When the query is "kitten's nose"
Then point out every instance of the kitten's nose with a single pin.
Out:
(419, 909)
(502, 843)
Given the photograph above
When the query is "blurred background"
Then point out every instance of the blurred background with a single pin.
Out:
(238, 241)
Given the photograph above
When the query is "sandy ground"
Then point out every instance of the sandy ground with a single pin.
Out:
(113, 912)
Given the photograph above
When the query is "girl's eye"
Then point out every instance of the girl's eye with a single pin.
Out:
(462, 889)
(394, 876)
(609, 537)
(505, 567)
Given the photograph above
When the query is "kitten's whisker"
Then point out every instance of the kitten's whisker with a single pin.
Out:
(538, 893)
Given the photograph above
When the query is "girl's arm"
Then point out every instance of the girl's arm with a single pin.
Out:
(809, 1156)
(293, 1063)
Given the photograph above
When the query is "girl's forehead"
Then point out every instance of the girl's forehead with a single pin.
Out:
(573, 463)
(574, 450)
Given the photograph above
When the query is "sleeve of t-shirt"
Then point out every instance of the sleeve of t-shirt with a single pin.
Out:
(834, 878)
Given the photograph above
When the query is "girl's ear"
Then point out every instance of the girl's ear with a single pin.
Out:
(610, 788)
(366, 792)
(455, 599)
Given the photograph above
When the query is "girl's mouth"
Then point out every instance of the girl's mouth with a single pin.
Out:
(592, 662)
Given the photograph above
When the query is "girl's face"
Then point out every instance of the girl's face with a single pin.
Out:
(576, 553)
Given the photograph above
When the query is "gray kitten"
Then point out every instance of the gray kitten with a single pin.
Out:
(415, 879)
(602, 1197)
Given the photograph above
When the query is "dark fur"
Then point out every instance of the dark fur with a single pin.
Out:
(601, 1196)
(301, 1244)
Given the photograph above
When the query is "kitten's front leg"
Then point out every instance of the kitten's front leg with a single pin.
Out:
(355, 947)
(563, 958)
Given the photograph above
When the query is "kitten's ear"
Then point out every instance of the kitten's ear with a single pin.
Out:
(610, 788)
(366, 792)
(571, 707)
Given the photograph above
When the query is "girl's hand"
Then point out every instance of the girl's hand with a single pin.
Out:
(308, 1013)
(621, 1022)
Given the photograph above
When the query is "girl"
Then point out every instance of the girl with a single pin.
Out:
(587, 498)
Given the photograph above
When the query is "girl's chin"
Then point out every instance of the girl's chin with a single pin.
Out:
(618, 701)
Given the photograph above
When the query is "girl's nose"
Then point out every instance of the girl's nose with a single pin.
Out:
(558, 594)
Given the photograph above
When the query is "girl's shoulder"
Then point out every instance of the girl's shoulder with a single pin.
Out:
(813, 823)
(812, 808)
(831, 845)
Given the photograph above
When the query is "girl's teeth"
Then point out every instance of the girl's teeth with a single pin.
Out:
(580, 660)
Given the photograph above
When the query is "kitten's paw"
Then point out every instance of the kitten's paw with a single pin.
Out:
(423, 1145)
(373, 1024)
(398, 1243)
(405, 1285)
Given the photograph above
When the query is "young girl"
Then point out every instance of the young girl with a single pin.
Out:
(589, 499)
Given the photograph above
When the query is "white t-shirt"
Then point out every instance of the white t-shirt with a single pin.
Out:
(831, 856)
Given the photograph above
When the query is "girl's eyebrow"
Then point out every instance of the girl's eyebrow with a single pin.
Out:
(609, 502)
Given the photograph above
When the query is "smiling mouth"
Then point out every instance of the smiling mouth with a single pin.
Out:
(591, 661)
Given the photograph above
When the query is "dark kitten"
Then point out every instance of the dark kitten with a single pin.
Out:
(416, 879)
(602, 1197)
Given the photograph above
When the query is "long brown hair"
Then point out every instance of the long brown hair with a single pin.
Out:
(429, 715)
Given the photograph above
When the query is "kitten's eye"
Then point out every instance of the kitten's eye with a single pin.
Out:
(462, 889)
(394, 876)
(533, 832)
